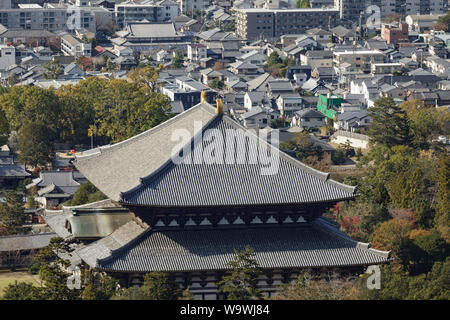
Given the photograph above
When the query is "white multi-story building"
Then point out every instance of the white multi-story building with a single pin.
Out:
(358, 60)
(350, 10)
(153, 11)
(55, 18)
(7, 56)
(71, 46)
(196, 51)
(190, 6)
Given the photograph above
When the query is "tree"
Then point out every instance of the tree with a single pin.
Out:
(25, 104)
(50, 267)
(216, 84)
(241, 284)
(12, 214)
(358, 218)
(97, 286)
(4, 128)
(390, 125)
(302, 4)
(426, 122)
(146, 76)
(274, 59)
(302, 146)
(426, 250)
(52, 70)
(394, 235)
(35, 144)
(21, 291)
(329, 286)
(442, 178)
(443, 22)
(339, 157)
(178, 60)
(399, 285)
(157, 286)
(123, 109)
(86, 193)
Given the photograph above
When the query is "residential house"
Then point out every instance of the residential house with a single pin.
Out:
(308, 119)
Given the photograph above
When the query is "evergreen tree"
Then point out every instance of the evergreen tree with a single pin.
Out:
(35, 144)
(390, 125)
(12, 215)
(4, 128)
(158, 286)
(241, 284)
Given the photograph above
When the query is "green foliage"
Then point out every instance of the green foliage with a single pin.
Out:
(51, 269)
(178, 60)
(97, 286)
(302, 146)
(35, 144)
(399, 285)
(442, 178)
(21, 291)
(274, 59)
(157, 286)
(427, 249)
(4, 128)
(327, 286)
(145, 76)
(52, 70)
(339, 157)
(241, 284)
(302, 4)
(444, 21)
(123, 110)
(25, 104)
(86, 193)
(111, 110)
(12, 215)
(216, 84)
(426, 122)
(390, 125)
(358, 218)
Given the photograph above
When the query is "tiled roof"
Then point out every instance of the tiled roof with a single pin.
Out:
(25, 242)
(209, 183)
(119, 167)
(291, 247)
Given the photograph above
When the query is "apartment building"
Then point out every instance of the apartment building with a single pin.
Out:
(350, 10)
(196, 51)
(7, 56)
(153, 11)
(252, 24)
(55, 18)
(71, 46)
(361, 60)
(189, 6)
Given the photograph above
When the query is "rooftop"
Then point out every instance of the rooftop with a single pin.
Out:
(292, 247)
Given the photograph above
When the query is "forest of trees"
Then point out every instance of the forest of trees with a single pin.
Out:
(108, 110)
